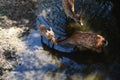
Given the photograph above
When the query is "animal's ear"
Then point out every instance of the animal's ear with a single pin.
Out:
(72, 5)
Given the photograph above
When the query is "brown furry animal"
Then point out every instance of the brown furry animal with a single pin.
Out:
(68, 6)
(85, 39)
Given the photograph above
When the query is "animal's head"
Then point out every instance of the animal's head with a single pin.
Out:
(101, 42)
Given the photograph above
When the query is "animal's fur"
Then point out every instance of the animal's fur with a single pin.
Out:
(68, 6)
(88, 40)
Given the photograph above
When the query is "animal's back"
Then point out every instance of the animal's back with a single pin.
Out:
(86, 39)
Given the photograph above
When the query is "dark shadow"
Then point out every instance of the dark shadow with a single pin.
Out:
(108, 26)
(81, 57)
(100, 62)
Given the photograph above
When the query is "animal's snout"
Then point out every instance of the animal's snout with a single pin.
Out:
(102, 41)
(105, 43)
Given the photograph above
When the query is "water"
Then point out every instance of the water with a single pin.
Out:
(45, 63)
(42, 62)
